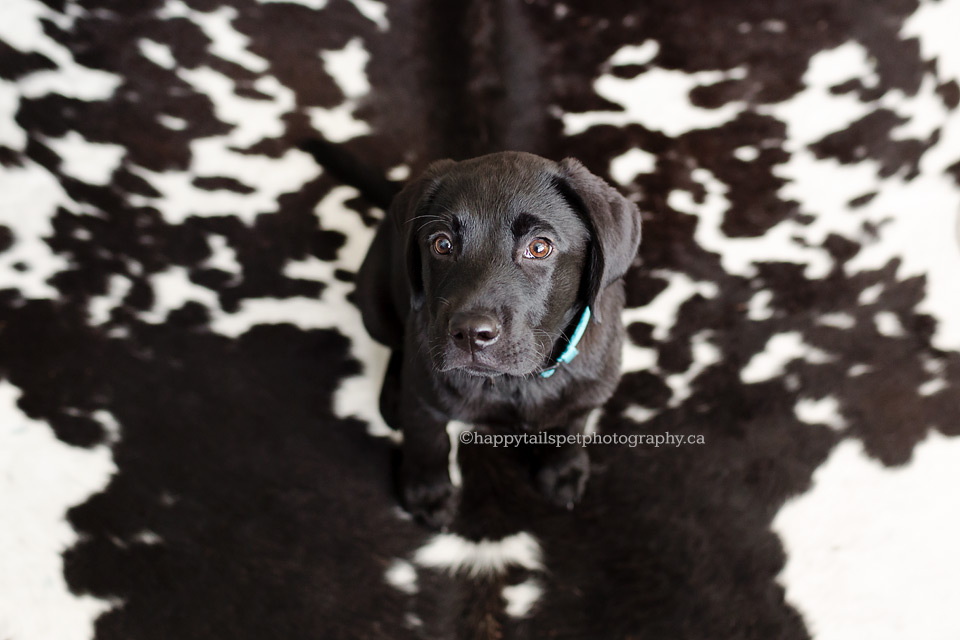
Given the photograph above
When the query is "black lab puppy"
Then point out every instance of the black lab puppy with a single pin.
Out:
(481, 278)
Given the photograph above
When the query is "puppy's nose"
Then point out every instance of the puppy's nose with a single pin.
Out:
(473, 331)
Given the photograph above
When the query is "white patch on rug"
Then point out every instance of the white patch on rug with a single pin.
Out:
(637, 358)
(172, 122)
(658, 99)
(814, 112)
(346, 67)
(635, 54)
(223, 257)
(226, 42)
(837, 320)
(29, 197)
(402, 575)
(454, 554)
(21, 28)
(934, 24)
(888, 324)
(823, 411)
(42, 478)
(936, 382)
(316, 5)
(662, 313)
(252, 121)
(158, 53)
(109, 423)
(640, 414)
(628, 165)
(870, 295)
(916, 218)
(91, 162)
(759, 309)
(356, 396)
(146, 537)
(746, 154)
(520, 598)
(172, 289)
(871, 550)
(705, 354)
(373, 11)
(337, 124)
(100, 307)
(11, 135)
(740, 255)
(399, 173)
(780, 350)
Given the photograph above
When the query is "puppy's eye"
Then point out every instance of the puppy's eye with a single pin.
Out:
(538, 249)
(442, 245)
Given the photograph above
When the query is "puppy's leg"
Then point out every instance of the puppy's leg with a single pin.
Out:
(427, 491)
(563, 469)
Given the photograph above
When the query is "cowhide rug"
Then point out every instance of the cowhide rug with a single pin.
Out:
(189, 440)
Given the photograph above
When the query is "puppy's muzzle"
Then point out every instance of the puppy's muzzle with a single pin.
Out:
(473, 332)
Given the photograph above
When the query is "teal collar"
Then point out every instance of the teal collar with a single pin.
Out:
(571, 351)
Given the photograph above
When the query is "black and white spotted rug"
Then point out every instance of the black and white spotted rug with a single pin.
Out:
(189, 440)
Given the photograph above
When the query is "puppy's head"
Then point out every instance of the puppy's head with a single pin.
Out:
(504, 251)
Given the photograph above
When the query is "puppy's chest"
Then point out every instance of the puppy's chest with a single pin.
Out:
(521, 405)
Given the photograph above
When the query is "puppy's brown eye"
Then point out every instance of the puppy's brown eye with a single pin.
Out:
(442, 245)
(538, 249)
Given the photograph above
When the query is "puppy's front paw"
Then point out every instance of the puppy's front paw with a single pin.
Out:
(433, 500)
(562, 478)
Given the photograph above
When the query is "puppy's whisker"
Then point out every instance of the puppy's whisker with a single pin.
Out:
(545, 338)
(425, 216)
(436, 358)
(420, 228)
(425, 220)
(446, 209)
(434, 352)
(420, 347)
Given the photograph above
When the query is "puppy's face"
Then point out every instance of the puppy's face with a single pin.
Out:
(502, 256)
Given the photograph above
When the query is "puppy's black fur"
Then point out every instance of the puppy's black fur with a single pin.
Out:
(454, 285)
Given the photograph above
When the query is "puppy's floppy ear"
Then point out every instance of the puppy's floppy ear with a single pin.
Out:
(412, 201)
(613, 222)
